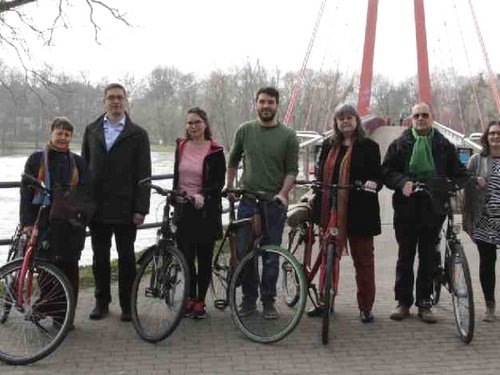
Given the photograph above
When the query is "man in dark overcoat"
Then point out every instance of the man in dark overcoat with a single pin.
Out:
(117, 153)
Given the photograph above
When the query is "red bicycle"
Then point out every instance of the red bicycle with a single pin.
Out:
(301, 240)
(37, 304)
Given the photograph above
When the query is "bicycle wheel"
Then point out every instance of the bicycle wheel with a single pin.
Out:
(297, 243)
(461, 294)
(221, 273)
(327, 294)
(32, 331)
(159, 293)
(250, 275)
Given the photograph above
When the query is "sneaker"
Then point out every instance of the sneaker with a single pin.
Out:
(400, 312)
(426, 314)
(269, 310)
(247, 308)
(489, 314)
(188, 312)
(316, 311)
(366, 316)
(199, 310)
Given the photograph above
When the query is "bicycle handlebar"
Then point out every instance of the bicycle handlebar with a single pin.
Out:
(259, 195)
(33, 182)
(316, 185)
(163, 192)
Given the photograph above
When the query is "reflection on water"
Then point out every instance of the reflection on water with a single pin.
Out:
(11, 168)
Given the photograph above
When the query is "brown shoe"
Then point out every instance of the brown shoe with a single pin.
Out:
(426, 314)
(400, 312)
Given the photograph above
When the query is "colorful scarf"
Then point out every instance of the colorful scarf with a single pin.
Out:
(331, 215)
(44, 175)
(421, 161)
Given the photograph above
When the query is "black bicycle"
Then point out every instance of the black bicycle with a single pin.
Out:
(160, 289)
(452, 269)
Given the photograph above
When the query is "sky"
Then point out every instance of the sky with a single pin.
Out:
(199, 36)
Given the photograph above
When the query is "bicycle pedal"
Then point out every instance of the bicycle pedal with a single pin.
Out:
(151, 292)
(220, 304)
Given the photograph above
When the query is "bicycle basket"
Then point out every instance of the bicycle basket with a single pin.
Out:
(298, 214)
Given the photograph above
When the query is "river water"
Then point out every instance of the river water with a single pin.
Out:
(11, 167)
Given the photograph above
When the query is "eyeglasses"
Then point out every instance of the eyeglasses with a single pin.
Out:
(197, 122)
(342, 118)
(492, 134)
(112, 98)
(424, 115)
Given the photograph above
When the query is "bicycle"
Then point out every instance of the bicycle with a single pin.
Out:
(301, 239)
(229, 273)
(37, 305)
(160, 289)
(455, 275)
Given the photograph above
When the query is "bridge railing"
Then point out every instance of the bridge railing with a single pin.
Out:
(457, 138)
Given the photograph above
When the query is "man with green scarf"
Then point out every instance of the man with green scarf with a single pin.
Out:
(420, 154)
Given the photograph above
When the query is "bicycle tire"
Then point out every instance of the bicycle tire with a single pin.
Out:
(255, 326)
(297, 243)
(33, 331)
(327, 295)
(437, 279)
(159, 294)
(461, 294)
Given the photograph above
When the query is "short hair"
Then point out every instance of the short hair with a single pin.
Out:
(114, 85)
(344, 110)
(271, 91)
(203, 115)
(484, 137)
(61, 123)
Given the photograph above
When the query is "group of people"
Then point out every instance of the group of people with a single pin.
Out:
(116, 156)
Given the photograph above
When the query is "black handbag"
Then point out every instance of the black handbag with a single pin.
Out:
(74, 205)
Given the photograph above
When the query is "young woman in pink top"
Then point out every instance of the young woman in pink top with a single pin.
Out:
(199, 170)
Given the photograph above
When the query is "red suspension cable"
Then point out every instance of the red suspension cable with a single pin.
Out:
(296, 86)
(493, 82)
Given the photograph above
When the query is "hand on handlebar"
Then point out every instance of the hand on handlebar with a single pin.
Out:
(408, 188)
(370, 186)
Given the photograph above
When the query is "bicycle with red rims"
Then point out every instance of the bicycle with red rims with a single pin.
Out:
(324, 258)
(37, 304)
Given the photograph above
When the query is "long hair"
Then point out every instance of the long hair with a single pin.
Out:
(484, 138)
(203, 115)
(343, 110)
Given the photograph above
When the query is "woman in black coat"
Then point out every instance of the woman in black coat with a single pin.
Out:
(58, 168)
(345, 158)
(199, 170)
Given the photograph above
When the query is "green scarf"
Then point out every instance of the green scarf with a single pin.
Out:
(421, 161)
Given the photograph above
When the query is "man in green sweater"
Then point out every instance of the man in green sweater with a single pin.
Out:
(270, 163)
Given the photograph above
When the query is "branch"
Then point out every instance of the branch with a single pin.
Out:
(8, 5)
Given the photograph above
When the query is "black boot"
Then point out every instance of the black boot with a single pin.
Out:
(100, 311)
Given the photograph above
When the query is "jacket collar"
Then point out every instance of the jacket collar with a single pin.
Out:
(98, 130)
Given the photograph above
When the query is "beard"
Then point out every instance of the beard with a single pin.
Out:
(266, 115)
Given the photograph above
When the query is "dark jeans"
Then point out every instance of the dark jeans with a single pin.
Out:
(198, 281)
(487, 261)
(409, 237)
(101, 244)
(273, 217)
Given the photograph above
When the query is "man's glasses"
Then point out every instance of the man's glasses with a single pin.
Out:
(492, 134)
(112, 98)
(424, 115)
(197, 122)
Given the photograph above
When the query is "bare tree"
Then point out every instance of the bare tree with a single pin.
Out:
(18, 26)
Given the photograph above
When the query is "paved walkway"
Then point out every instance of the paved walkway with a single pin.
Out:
(214, 346)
